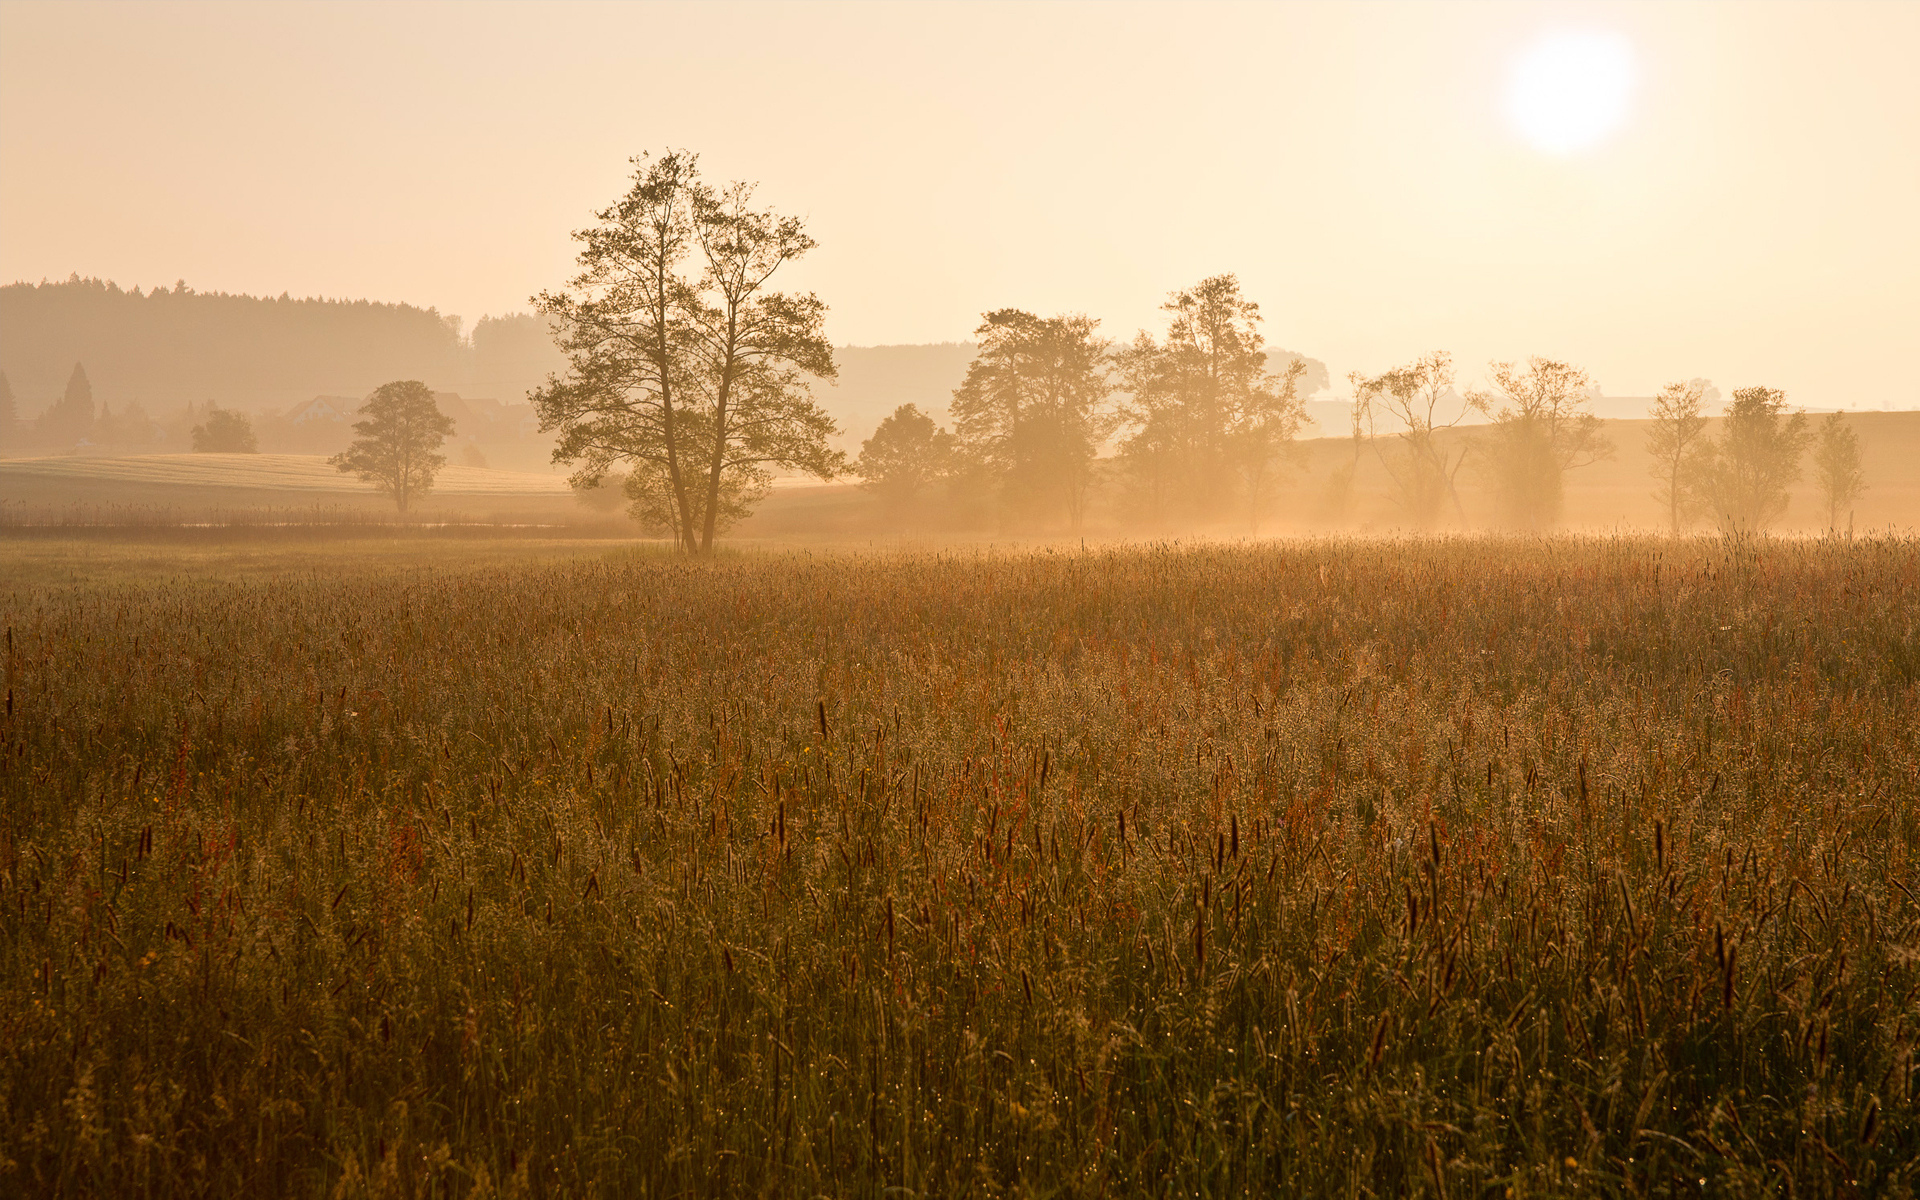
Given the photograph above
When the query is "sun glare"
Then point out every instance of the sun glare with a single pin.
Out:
(1569, 90)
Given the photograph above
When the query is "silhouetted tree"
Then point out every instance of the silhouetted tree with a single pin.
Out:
(69, 418)
(1746, 474)
(1415, 398)
(1032, 410)
(1674, 439)
(225, 432)
(697, 383)
(1836, 466)
(1208, 417)
(398, 442)
(1541, 431)
(905, 455)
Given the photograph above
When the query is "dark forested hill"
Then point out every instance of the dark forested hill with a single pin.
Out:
(175, 346)
(171, 347)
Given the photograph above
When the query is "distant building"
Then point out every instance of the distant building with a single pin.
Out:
(325, 410)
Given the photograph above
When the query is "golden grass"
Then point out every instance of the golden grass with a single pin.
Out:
(1467, 867)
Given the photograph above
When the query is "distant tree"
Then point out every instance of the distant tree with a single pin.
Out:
(1745, 475)
(697, 384)
(1674, 439)
(1836, 466)
(69, 418)
(1210, 420)
(225, 432)
(472, 456)
(1032, 410)
(1415, 399)
(1541, 431)
(1261, 433)
(905, 455)
(9, 415)
(1340, 481)
(399, 441)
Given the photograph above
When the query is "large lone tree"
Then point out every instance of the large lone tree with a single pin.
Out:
(684, 367)
(399, 441)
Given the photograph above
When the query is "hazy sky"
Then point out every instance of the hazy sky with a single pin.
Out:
(1753, 219)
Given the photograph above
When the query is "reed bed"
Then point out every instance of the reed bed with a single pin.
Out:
(1450, 867)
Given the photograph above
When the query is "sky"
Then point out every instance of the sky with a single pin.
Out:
(1747, 212)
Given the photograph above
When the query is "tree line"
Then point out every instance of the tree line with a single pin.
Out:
(170, 346)
(689, 381)
(692, 375)
(74, 419)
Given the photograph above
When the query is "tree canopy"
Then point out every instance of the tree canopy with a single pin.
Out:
(1418, 400)
(1542, 429)
(398, 441)
(225, 432)
(905, 455)
(1674, 439)
(1745, 475)
(684, 367)
(1836, 467)
(1210, 421)
(1032, 410)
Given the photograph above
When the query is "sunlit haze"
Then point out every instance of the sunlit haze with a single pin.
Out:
(1570, 90)
(1651, 191)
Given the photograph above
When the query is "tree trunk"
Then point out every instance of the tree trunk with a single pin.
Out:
(661, 362)
(712, 514)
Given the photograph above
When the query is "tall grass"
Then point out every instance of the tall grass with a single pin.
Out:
(1427, 867)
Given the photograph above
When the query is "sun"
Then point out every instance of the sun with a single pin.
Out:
(1568, 90)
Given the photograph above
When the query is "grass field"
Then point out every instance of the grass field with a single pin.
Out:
(149, 490)
(1458, 867)
(280, 472)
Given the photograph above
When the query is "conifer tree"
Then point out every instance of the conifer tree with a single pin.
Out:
(69, 418)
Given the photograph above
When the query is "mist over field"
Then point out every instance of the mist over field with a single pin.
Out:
(959, 600)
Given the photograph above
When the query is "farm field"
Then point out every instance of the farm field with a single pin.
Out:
(145, 490)
(1454, 867)
(278, 472)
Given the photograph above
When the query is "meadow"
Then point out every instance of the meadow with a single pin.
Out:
(1448, 867)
